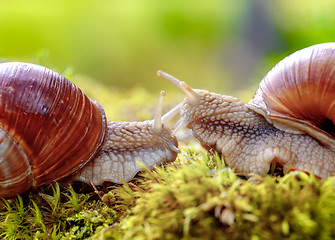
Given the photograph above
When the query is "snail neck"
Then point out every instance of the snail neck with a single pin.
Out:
(126, 144)
(229, 117)
(219, 112)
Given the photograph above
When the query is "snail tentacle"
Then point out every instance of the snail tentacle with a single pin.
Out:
(157, 128)
(192, 95)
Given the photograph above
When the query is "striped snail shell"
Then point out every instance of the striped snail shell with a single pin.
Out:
(48, 127)
(300, 93)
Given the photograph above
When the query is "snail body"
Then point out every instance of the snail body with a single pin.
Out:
(49, 129)
(290, 119)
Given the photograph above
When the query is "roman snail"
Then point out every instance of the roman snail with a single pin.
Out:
(49, 130)
(290, 119)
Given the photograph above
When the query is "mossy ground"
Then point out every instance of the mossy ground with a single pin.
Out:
(196, 197)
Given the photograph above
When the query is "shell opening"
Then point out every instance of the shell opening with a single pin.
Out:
(328, 126)
(192, 96)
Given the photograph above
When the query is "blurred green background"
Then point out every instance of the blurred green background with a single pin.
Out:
(222, 45)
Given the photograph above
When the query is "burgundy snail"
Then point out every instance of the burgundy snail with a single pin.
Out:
(50, 129)
(289, 121)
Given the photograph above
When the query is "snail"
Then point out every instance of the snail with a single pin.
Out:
(289, 121)
(49, 129)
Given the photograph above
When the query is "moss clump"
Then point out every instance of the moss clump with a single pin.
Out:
(198, 198)
(55, 215)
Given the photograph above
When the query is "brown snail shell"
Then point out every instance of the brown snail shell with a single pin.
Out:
(48, 127)
(299, 93)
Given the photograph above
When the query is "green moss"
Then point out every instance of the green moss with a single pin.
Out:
(196, 197)
(55, 215)
(199, 198)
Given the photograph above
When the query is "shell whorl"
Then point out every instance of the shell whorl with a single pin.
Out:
(300, 92)
(50, 120)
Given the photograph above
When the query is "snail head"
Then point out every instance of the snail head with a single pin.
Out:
(194, 106)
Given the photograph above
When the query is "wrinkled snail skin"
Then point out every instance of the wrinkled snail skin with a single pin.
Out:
(290, 120)
(126, 143)
(136, 142)
(49, 129)
(249, 142)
